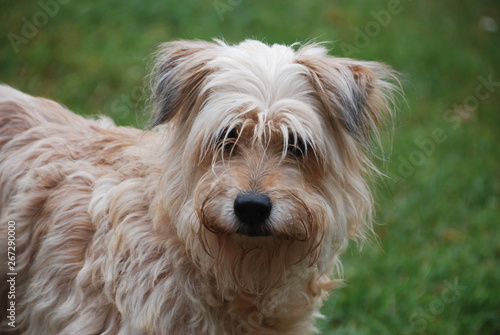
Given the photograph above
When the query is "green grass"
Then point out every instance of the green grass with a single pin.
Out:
(437, 268)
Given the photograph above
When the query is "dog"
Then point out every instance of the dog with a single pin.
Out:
(226, 216)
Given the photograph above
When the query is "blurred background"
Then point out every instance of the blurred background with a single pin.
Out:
(436, 266)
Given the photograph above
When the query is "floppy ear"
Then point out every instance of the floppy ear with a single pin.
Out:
(358, 94)
(177, 79)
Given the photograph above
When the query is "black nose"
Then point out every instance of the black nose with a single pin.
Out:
(252, 208)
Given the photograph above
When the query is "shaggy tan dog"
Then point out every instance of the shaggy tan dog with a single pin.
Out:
(227, 217)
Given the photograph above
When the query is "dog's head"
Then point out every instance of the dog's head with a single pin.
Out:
(267, 149)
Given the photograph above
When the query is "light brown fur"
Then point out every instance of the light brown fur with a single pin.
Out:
(123, 231)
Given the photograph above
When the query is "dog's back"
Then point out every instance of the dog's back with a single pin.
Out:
(20, 112)
(49, 161)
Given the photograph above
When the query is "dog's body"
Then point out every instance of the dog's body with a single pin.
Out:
(228, 218)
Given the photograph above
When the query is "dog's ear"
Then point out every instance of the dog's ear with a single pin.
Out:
(358, 94)
(177, 79)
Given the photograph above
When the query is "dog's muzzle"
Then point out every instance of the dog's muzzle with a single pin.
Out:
(252, 210)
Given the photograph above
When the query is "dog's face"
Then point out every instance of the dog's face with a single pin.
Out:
(270, 146)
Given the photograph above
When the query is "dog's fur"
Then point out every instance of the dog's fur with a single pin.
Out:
(123, 231)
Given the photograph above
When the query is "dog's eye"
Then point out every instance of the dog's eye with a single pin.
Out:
(297, 147)
(227, 140)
